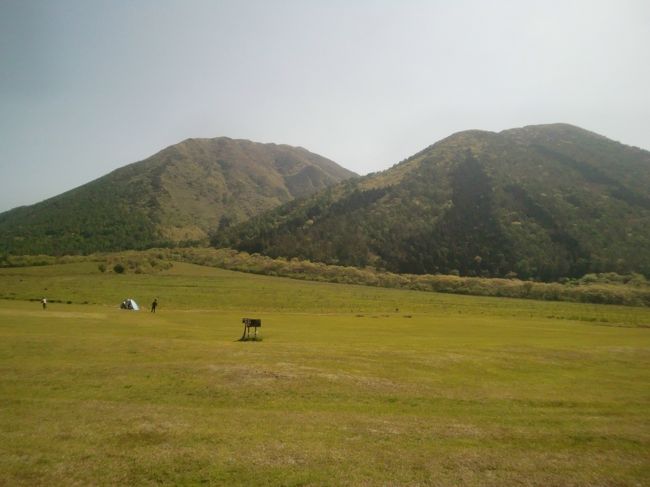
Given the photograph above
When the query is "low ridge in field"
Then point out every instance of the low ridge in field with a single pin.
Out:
(179, 194)
(544, 201)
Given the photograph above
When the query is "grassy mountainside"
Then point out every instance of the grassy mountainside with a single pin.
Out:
(180, 194)
(542, 201)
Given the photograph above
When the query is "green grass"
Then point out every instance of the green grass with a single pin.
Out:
(350, 385)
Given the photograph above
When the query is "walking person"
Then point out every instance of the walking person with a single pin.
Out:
(154, 305)
(44, 303)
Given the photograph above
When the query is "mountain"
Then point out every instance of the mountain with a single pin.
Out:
(543, 201)
(180, 194)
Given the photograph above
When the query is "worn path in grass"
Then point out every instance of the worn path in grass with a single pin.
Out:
(343, 389)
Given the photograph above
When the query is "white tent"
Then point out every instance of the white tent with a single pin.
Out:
(130, 304)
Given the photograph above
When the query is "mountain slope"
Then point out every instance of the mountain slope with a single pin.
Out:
(182, 193)
(541, 201)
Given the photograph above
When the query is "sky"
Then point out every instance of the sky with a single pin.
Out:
(87, 86)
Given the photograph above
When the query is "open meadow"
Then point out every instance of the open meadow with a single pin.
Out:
(350, 385)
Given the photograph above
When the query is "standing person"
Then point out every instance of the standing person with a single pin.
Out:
(44, 303)
(154, 305)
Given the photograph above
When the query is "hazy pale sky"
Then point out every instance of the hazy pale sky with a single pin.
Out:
(88, 86)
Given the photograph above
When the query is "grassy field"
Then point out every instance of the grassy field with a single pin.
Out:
(350, 385)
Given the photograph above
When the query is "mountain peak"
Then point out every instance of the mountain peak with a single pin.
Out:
(180, 194)
(541, 201)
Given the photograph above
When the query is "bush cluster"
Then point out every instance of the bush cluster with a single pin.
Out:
(607, 288)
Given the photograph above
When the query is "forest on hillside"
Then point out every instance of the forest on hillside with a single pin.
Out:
(543, 203)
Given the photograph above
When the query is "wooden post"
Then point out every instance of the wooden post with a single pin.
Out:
(243, 335)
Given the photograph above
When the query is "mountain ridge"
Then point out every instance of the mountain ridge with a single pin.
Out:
(179, 194)
(542, 201)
